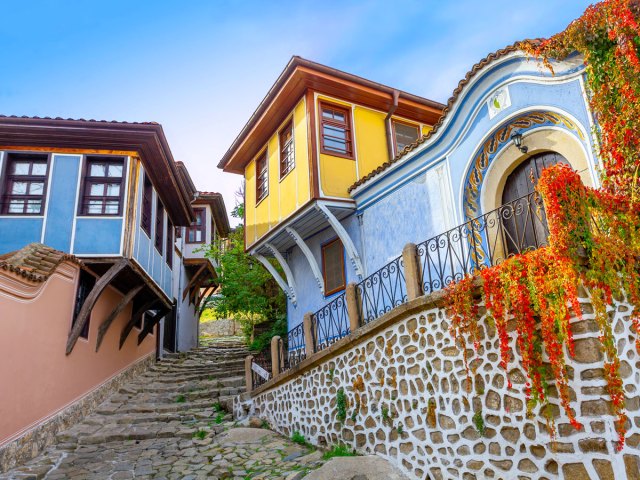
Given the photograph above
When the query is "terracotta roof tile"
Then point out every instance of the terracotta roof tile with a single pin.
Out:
(78, 120)
(450, 103)
(35, 262)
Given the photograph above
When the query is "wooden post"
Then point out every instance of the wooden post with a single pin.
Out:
(275, 356)
(412, 271)
(353, 306)
(307, 328)
(248, 376)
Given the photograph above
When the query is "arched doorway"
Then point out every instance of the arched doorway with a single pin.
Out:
(525, 224)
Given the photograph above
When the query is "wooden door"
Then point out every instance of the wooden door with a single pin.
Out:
(525, 225)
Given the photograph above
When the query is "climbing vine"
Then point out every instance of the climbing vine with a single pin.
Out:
(594, 234)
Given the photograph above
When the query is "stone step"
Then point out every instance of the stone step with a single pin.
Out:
(200, 368)
(197, 376)
(144, 407)
(222, 382)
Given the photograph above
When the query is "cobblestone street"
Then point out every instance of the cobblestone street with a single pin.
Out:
(172, 423)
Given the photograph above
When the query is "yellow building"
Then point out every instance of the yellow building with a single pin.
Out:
(317, 132)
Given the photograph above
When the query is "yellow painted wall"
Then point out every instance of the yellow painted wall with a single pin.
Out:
(285, 195)
(337, 174)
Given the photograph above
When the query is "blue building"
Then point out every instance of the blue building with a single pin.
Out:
(461, 189)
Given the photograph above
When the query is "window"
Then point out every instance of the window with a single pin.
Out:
(404, 134)
(336, 138)
(287, 154)
(147, 193)
(169, 252)
(333, 267)
(24, 184)
(197, 230)
(103, 186)
(262, 177)
(159, 226)
(86, 283)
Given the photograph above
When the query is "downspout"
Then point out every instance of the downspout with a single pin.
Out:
(388, 127)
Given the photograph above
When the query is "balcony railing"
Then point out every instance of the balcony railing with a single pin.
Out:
(513, 228)
(488, 240)
(330, 323)
(262, 359)
(382, 291)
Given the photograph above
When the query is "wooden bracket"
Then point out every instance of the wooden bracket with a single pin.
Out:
(148, 327)
(192, 281)
(137, 315)
(104, 326)
(92, 298)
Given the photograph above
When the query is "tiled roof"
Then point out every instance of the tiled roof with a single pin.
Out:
(450, 103)
(35, 262)
(78, 120)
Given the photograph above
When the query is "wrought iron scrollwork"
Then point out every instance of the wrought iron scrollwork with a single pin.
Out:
(382, 291)
(330, 323)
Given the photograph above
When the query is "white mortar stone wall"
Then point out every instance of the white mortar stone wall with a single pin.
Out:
(407, 401)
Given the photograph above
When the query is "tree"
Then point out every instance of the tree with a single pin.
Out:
(247, 291)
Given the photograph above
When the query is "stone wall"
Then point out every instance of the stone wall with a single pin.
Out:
(35, 440)
(225, 327)
(404, 389)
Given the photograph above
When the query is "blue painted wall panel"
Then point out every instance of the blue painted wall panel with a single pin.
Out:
(16, 232)
(99, 236)
(63, 191)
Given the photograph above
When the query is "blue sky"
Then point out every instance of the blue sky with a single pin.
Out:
(200, 68)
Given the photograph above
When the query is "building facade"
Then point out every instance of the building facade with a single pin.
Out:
(370, 178)
(89, 213)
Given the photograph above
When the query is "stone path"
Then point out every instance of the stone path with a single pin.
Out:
(172, 423)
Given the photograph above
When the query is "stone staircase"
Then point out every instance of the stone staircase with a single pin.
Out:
(177, 397)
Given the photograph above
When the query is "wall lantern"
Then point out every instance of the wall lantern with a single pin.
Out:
(517, 140)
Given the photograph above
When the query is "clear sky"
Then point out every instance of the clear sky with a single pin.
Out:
(200, 68)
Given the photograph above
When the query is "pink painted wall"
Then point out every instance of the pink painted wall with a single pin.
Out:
(37, 379)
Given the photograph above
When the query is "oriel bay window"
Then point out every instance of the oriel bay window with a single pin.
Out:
(102, 186)
(287, 155)
(336, 135)
(169, 247)
(197, 230)
(333, 267)
(24, 184)
(262, 176)
(404, 134)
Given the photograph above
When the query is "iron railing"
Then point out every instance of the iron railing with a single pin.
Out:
(262, 359)
(330, 323)
(294, 346)
(515, 227)
(382, 291)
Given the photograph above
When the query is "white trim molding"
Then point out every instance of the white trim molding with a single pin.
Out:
(274, 273)
(349, 246)
(309, 256)
(287, 271)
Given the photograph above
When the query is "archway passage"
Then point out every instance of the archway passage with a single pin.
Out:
(525, 224)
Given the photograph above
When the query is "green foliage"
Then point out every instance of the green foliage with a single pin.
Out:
(298, 438)
(400, 429)
(248, 293)
(341, 405)
(217, 407)
(200, 434)
(278, 327)
(385, 413)
(265, 425)
(332, 372)
(219, 418)
(181, 399)
(338, 451)
(478, 421)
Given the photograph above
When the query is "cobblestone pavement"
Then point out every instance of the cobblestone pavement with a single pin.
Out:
(172, 423)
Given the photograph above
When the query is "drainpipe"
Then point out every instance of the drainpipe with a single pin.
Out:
(388, 127)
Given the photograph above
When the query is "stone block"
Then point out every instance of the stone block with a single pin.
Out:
(632, 466)
(588, 350)
(588, 445)
(595, 408)
(526, 465)
(510, 434)
(575, 471)
(604, 469)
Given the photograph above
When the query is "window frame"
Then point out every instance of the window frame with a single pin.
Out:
(106, 180)
(263, 156)
(169, 243)
(7, 180)
(146, 210)
(395, 121)
(323, 248)
(347, 125)
(287, 158)
(158, 235)
(202, 227)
